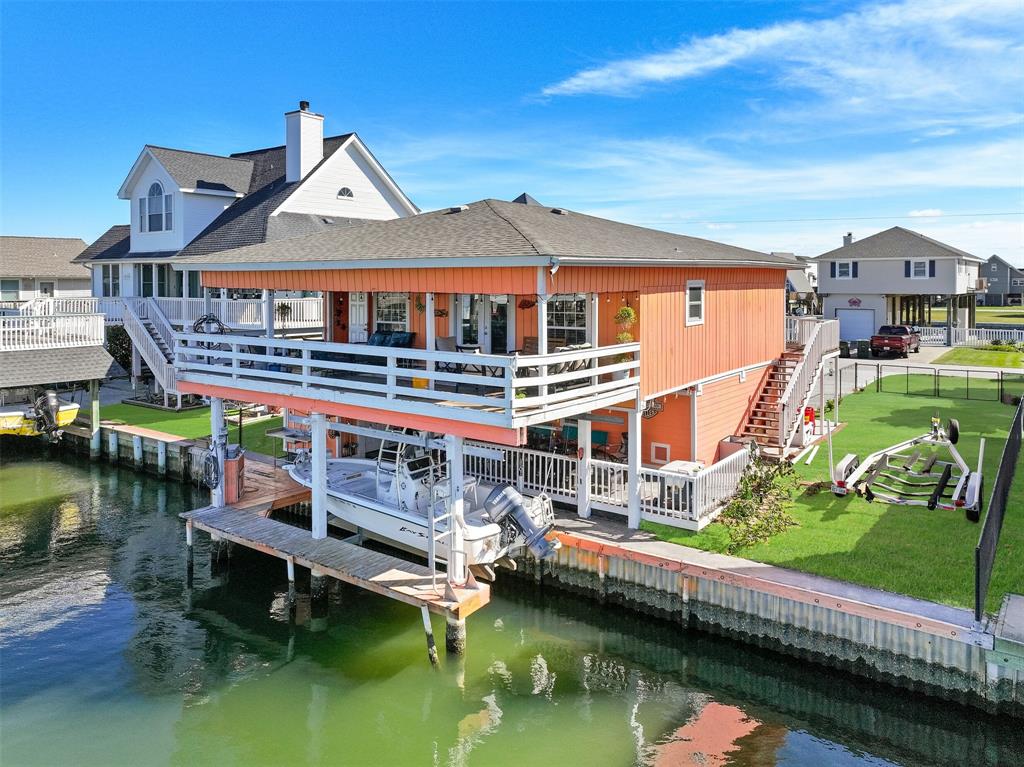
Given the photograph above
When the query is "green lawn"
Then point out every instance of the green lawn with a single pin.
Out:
(906, 549)
(985, 357)
(196, 423)
(1003, 315)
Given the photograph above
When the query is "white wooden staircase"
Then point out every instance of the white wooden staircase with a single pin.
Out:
(151, 334)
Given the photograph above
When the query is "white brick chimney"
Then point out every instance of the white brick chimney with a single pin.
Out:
(304, 141)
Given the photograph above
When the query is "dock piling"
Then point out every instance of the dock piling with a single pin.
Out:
(218, 555)
(137, 451)
(455, 636)
(290, 562)
(112, 446)
(161, 458)
(431, 646)
(95, 437)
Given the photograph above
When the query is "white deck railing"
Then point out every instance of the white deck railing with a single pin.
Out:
(673, 498)
(246, 313)
(57, 331)
(969, 336)
(819, 338)
(491, 389)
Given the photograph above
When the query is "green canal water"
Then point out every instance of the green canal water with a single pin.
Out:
(108, 657)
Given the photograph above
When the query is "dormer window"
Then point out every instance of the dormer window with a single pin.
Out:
(345, 193)
(156, 210)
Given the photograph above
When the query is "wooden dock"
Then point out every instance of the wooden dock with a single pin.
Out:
(267, 487)
(383, 574)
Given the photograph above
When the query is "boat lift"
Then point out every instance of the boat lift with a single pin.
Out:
(915, 472)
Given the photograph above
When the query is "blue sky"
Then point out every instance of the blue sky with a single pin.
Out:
(744, 122)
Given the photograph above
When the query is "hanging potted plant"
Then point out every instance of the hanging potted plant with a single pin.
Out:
(625, 318)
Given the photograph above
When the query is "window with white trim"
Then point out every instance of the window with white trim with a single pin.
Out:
(918, 270)
(111, 280)
(391, 311)
(695, 302)
(156, 210)
(567, 318)
(844, 270)
(8, 290)
(992, 267)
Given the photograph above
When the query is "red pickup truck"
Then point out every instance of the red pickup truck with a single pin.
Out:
(896, 339)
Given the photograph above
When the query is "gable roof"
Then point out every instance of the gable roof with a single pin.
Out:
(112, 244)
(896, 243)
(797, 278)
(269, 163)
(42, 257)
(492, 230)
(1004, 262)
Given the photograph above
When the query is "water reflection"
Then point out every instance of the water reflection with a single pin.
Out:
(104, 640)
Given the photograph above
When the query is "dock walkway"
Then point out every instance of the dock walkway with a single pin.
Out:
(383, 574)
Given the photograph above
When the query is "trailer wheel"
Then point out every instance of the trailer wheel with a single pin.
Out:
(953, 431)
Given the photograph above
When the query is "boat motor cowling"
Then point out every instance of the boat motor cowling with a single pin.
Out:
(47, 408)
(507, 501)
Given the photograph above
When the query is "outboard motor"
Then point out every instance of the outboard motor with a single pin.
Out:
(46, 407)
(507, 502)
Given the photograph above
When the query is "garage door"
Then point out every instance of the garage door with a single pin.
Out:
(855, 324)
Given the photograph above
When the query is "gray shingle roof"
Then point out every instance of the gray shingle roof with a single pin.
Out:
(48, 366)
(496, 229)
(896, 242)
(42, 257)
(112, 244)
(269, 163)
(194, 170)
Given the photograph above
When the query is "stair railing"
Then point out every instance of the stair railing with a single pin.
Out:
(821, 340)
(151, 352)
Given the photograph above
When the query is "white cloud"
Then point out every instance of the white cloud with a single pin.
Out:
(930, 61)
(925, 213)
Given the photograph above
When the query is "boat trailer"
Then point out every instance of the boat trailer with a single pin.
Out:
(911, 473)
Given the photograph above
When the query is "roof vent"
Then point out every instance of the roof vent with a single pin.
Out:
(560, 211)
(458, 208)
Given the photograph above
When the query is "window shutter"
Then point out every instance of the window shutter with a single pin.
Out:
(142, 214)
(906, 269)
(931, 267)
(853, 270)
(832, 269)
(167, 212)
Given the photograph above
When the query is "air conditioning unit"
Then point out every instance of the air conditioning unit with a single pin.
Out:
(981, 285)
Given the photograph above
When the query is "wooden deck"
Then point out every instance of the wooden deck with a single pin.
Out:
(383, 574)
(267, 487)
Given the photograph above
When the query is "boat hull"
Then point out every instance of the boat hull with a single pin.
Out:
(20, 420)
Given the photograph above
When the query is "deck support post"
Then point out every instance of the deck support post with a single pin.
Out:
(455, 636)
(633, 473)
(112, 446)
(218, 555)
(583, 432)
(95, 440)
(218, 443)
(161, 458)
(189, 553)
(457, 555)
(268, 312)
(431, 325)
(838, 390)
(136, 368)
(318, 439)
(317, 601)
(290, 563)
(542, 337)
(431, 646)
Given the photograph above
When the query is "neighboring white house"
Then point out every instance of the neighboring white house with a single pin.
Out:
(31, 267)
(895, 277)
(189, 203)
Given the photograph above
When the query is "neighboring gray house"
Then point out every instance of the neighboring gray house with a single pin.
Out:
(1005, 282)
(31, 267)
(895, 276)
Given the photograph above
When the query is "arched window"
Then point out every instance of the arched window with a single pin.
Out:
(345, 193)
(155, 214)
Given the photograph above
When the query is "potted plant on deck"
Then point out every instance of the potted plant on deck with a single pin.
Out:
(625, 318)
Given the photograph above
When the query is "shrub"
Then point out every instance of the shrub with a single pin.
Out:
(998, 342)
(119, 346)
(758, 511)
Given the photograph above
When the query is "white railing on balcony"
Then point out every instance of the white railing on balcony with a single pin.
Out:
(671, 498)
(500, 390)
(246, 313)
(793, 324)
(55, 331)
(819, 338)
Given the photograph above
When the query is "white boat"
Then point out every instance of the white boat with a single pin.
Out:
(391, 500)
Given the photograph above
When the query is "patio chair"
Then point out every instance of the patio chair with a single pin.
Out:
(618, 453)
(567, 440)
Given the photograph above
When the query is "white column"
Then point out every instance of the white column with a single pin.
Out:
(207, 300)
(838, 391)
(95, 446)
(318, 438)
(456, 557)
(542, 338)
(431, 334)
(594, 331)
(583, 469)
(633, 422)
(268, 312)
(218, 442)
(510, 322)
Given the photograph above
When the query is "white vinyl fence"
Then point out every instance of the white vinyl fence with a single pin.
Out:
(969, 336)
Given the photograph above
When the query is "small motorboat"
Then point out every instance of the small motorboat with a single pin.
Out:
(392, 499)
(45, 416)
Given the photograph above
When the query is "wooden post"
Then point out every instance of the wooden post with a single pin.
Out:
(218, 443)
(510, 328)
(95, 442)
(949, 322)
(268, 312)
(456, 462)
(112, 446)
(431, 335)
(595, 331)
(318, 440)
(583, 432)
(137, 455)
(633, 421)
(431, 646)
(161, 458)
(190, 553)
(542, 338)
(290, 563)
